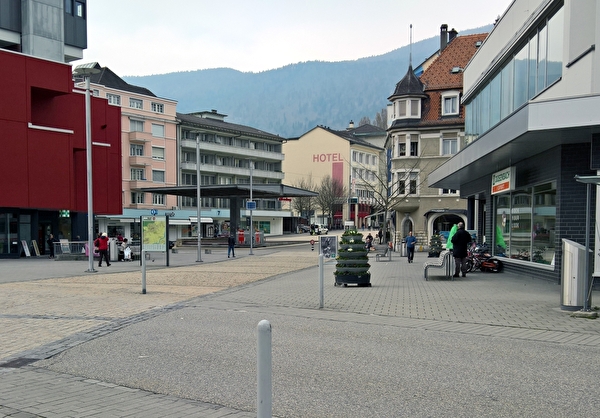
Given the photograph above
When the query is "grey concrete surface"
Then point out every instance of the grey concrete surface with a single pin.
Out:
(78, 345)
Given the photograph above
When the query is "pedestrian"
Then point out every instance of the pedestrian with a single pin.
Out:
(369, 241)
(410, 246)
(231, 245)
(380, 235)
(460, 242)
(51, 240)
(102, 244)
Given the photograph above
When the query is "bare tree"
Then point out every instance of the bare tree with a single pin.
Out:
(365, 120)
(332, 194)
(304, 205)
(381, 119)
(387, 193)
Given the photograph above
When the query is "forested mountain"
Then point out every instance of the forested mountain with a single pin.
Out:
(291, 100)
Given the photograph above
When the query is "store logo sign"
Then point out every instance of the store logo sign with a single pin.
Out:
(503, 180)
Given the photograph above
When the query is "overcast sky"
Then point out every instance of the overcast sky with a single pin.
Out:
(142, 37)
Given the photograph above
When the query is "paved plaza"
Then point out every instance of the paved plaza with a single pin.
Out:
(80, 344)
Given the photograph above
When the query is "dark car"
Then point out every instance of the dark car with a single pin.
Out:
(304, 228)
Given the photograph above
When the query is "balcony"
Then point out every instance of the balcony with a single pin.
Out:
(238, 152)
(235, 171)
(139, 136)
(139, 160)
(138, 184)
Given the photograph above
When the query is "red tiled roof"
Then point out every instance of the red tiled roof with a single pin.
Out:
(457, 54)
(439, 77)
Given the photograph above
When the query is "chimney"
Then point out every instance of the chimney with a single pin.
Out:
(443, 37)
(452, 34)
(351, 125)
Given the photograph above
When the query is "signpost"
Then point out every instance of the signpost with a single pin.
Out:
(154, 238)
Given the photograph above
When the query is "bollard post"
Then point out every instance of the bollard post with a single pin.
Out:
(264, 369)
(143, 257)
(321, 287)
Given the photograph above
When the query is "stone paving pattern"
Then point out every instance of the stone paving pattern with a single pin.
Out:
(42, 318)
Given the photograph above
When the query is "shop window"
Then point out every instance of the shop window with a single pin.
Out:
(525, 224)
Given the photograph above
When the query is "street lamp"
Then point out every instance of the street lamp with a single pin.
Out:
(86, 70)
(251, 205)
(198, 199)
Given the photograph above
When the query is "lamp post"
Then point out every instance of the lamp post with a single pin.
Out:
(86, 70)
(198, 198)
(251, 224)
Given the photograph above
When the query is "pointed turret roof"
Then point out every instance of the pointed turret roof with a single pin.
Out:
(410, 85)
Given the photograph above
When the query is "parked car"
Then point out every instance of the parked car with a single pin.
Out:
(320, 229)
(304, 228)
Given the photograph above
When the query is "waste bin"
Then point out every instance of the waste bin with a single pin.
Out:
(403, 252)
(573, 279)
(113, 252)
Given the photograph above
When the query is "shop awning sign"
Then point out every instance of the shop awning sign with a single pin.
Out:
(503, 180)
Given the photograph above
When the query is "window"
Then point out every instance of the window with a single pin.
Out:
(113, 99)
(450, 104)
(402, 108)
(412, 185)
(136, 150)
(158, 199)
(157, 107)
(188, 179)
(449, 191)
(136, 103)
(449, 145)
(158, 176)
(69, 7)
(533, 67)
(79, 9)
(158, 153)
(401, 146)
(414, 107)
(136, 125)
(401, 186)
(137, 197)
(95, 92)
(158, 131)
(526, 223)
(414, 145)
(137, 174)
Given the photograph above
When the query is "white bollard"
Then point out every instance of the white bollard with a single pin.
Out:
(264, 368)
(143, 255)
(321, 286)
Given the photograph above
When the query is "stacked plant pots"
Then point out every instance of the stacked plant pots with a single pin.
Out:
(352, 265)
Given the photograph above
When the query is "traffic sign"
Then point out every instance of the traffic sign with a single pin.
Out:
(250, 205)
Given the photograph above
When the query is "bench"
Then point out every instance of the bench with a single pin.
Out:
(444, 261)
(387, 253)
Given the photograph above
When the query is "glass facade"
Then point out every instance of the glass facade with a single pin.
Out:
(525, 223)
(534, 66)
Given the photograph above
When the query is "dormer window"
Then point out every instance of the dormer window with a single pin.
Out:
(409, 108)
(450, 105)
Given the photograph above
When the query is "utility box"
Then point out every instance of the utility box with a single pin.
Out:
(573, 279)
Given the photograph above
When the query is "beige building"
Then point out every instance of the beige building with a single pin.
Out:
(347, 157)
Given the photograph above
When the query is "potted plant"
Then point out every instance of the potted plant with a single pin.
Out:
(352, 265)
(435, 245)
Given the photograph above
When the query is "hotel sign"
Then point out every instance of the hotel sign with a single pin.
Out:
(503, 180)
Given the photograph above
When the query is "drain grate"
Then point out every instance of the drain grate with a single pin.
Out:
(19, 362)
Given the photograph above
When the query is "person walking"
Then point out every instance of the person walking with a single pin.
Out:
(231, 245)
(380, 235)
(460, 243)
(410, 246)
(51, 241)
(102, 244)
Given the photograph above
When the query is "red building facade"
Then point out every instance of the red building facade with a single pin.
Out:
(43, 175)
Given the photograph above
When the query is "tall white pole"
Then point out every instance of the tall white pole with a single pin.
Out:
(88, 158)
(251, 223)
(198, 198)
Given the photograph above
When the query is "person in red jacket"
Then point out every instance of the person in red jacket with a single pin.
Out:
(102, 244)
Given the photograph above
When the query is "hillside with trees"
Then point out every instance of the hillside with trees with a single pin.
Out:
(291, 100)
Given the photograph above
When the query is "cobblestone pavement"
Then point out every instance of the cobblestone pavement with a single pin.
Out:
(49, 308)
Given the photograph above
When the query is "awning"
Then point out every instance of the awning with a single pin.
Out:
(192, 219)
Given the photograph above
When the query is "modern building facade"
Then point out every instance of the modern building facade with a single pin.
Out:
(50, 29)
(43, 139)
(348, 157)
(426, 127)
(532, 94)
(230, 154)
(149, 144)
